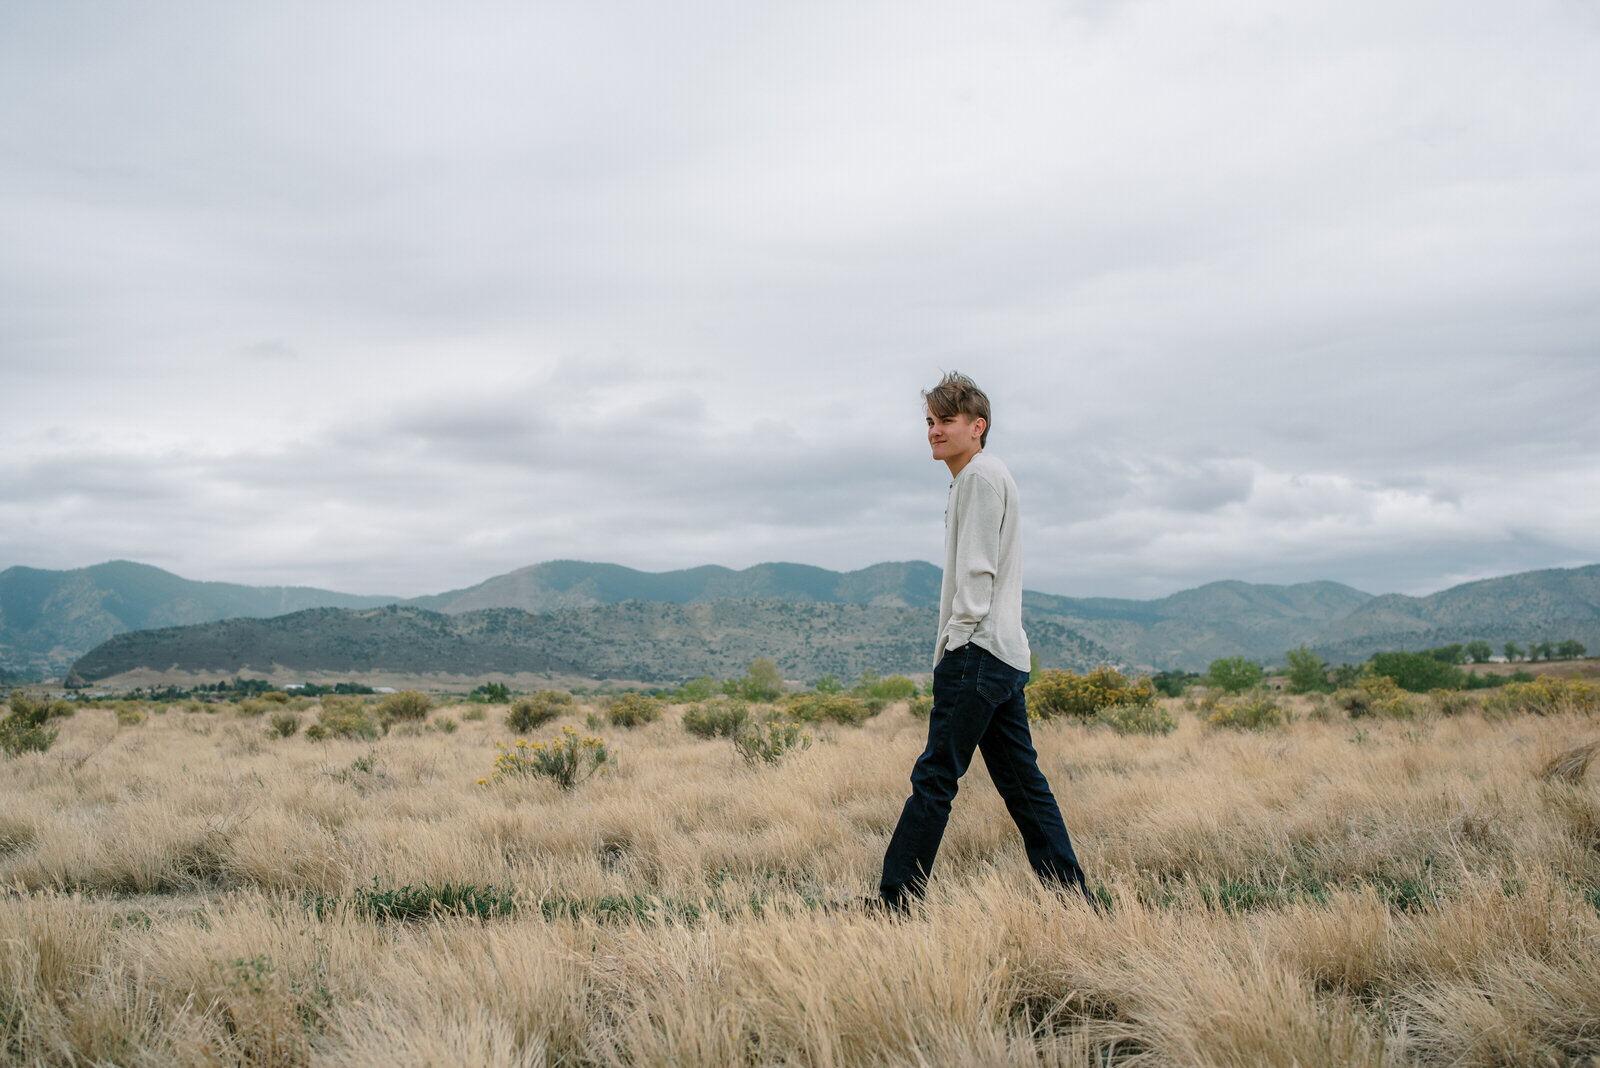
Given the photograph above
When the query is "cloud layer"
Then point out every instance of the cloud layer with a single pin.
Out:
(392, 298)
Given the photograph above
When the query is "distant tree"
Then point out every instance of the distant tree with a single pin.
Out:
(829, 684)
(1449, 654)
(762, 682)
(1308, 673)
(1480, 651)
(1513, 652)
(494, 692)
(1234, 674)
(1417, 672)
(1345, 676)
(1571, 649)
(1542, 651)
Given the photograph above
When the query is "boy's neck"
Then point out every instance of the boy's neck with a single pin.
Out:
(957, 464)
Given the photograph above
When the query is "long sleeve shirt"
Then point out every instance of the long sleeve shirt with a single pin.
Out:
(980, 599)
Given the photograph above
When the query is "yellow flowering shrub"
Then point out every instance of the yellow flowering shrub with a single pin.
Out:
(568, 759)
(1377, 695)
(1544, 696)
(1255, 710)
(1066, 693)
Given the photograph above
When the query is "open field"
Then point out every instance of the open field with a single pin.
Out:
(188, 890)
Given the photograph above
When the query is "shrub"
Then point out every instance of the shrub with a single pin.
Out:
(24, 729)
(1233, 674)
(343, 718)
(718, 720)
(762, 682)
(842, 708)
(1376, 695)
(445, 725)
(407, 706)
(285, 723)
(531, 713)
(1419, 672)
(1253, 711)
(275, 697)
(1307, 672)
(1150, 718)
(474, 714)
(566, 760)
(768, 742)
(633, 710)
(921, 707)
(495, 692)
(1065, 693)
(699, 689)
(893, 688)
(130, 717)
(828, 684)
(1544, 696)
(252, 707)
(1170, 683)
(1450, 702)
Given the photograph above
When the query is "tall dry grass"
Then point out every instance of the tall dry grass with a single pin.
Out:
(191, 891)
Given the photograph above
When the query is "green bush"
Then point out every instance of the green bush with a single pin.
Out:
(842, 708)
(699, 689)
(531, 713)
(762, 682)
(1171, 683)
(893, 688)
(286, 724)
(921, 707)
(720, 719)
(1066, 693)
(494, 692)
(828, 684)
(1255, 711)
(407, 706)
(633, 710)
(1233, 674)
(130, 717)
(1307, 672)
(445, 725)
(1419, 672)
(769, 741)
(1150, 718)
(275, 697)
(343, 718)
(24, 729)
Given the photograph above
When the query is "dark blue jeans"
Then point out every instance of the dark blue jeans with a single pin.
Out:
(977, 704)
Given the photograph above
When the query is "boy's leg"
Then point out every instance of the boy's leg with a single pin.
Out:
(1013, 765)
(959, 719)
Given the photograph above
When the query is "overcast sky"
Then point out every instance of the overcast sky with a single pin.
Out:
(391, 298)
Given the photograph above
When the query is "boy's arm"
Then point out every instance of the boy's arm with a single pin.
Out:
(978, 517)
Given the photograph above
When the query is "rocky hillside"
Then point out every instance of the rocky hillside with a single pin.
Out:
(50, 618)
(635, 640)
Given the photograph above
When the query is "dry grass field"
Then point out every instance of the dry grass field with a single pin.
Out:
(188, 890)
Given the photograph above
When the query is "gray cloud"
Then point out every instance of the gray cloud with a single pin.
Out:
(392, 298)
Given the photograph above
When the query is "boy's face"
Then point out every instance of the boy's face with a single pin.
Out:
(954, 437)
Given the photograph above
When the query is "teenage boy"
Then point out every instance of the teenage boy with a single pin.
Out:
(981, 663)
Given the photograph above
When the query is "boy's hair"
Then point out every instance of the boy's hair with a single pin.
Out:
(956, 393)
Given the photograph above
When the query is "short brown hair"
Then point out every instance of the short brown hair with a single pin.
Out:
(956, 393)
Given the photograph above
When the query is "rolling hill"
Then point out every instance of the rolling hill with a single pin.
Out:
(50, 618)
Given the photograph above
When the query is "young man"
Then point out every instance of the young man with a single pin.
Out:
(981, 662)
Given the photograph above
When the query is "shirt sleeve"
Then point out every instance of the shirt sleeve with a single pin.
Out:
(978, 515)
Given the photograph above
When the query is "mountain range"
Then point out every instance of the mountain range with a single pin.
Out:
(48, 619)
